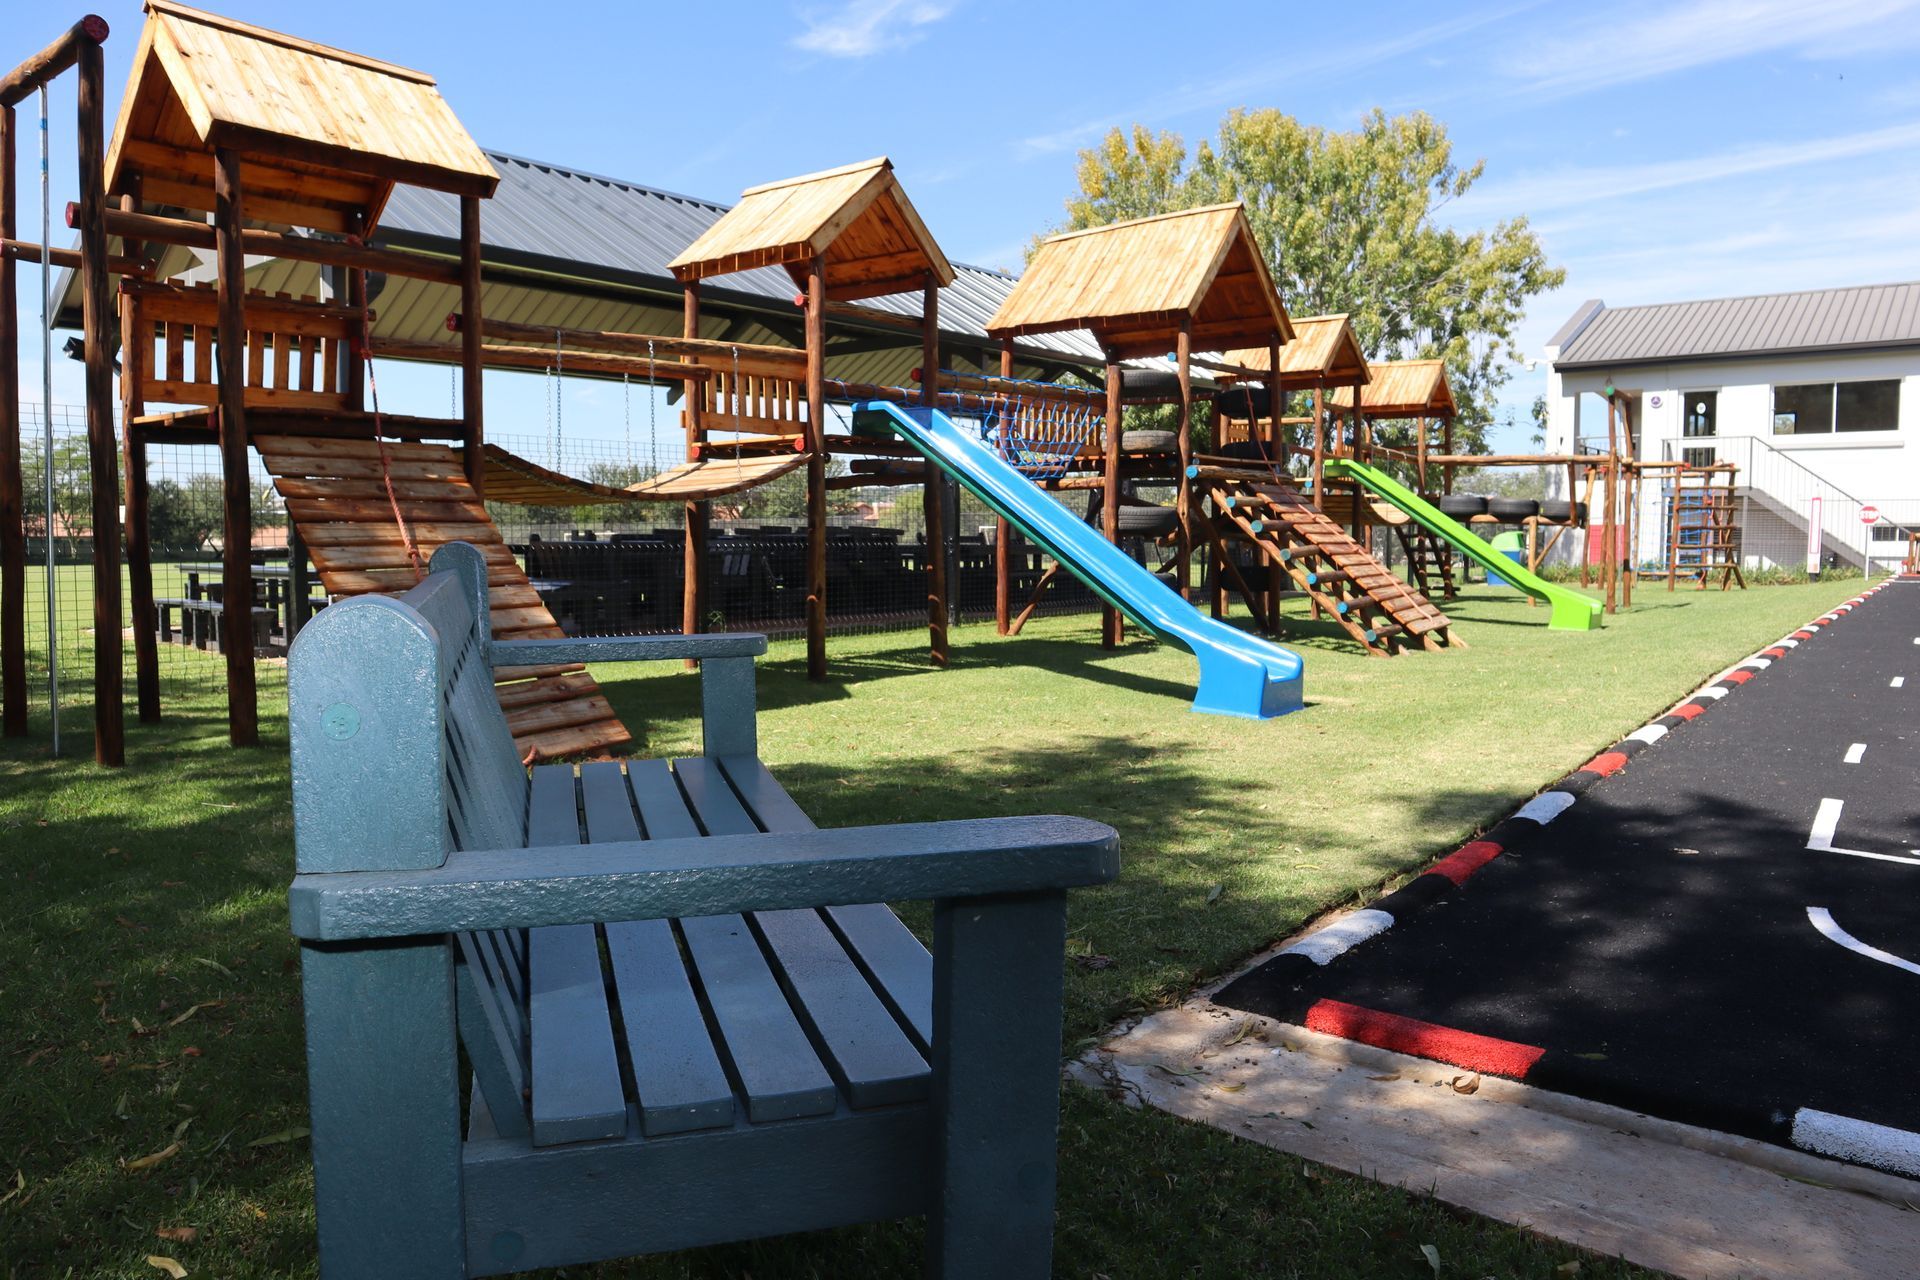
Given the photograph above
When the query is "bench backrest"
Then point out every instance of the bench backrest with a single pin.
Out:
(293, 357)
(400, 750)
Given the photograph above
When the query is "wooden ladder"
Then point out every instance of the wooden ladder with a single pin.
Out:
(1429, 557)
(1372, 604)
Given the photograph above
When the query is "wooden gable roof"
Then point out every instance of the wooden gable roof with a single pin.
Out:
(1402, 389)
(1324, 353)
(1135, 283)
(323, 134)
(857, 215)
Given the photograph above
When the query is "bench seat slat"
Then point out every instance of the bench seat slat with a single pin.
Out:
(678, 1080)
(899, 966)
(865, 1048)
(577, 1095)
(772, 1061)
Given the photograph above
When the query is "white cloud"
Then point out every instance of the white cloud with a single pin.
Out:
(860, 28)
(1269, 72)
(1612, 50)
(1592, 184)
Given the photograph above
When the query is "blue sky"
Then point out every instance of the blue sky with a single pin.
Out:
(1662, 151)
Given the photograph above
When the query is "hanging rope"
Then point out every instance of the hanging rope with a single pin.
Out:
(379, 436)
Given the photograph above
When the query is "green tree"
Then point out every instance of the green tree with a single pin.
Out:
(1347, 221)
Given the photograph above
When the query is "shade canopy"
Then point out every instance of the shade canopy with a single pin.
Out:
(858, 216)
(1324, 353)
(1402, 389)
(323, 134)
(1135, 284)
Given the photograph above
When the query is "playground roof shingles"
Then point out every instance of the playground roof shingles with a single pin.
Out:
(1862, 318)
(1402, 389)
(1135, 283)
(859, 211)
(322, 130)
(1324, 352)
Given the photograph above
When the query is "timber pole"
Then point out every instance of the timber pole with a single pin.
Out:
(1112, 627)
(694, 546)
(109, 680)
(1003, 534)
(471, 364)
(13, 531)
(1276, 410)
(1183, 496)
(135, 351)
(42, 67)
(816, 343)
(933, 491)
(236, 603)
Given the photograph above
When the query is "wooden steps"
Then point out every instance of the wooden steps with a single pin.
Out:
(1380, 611)
(335, 495)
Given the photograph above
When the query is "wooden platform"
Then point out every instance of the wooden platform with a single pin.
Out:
(336, 497)
(1370, 602)
(511, 478)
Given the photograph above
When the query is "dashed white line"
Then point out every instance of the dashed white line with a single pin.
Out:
(1897, 682)
(1823, 921)
(1855, 751)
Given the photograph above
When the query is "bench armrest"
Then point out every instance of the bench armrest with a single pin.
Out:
(705, 876)
(540, 653)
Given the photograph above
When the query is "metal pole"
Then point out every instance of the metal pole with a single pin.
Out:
(46, 420)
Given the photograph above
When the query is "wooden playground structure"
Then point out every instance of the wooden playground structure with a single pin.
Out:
(232, 143)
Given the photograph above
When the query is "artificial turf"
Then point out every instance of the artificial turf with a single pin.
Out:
(153, 1075)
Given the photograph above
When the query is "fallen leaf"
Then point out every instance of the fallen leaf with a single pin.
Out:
(173, 884)
(161, 1156)
(179, 1235)
(1095, 962)
(210, 1004)
(1214, 892)
(1178, 1071)
(191, 1051)
(38, 1054)
(1466, 1084)
(285, 1135)
(167, 1265)
(1395, 1075)
(1568, 1268)
(1432, 1255)
(1232, 1088)
(19, 1185)
(214, 965)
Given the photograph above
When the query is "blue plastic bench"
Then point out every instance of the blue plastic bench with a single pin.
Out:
(682, 1016)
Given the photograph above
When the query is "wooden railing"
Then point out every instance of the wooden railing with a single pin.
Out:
(293, 357)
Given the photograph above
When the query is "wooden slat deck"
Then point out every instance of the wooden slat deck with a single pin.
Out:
(1304, 541)
(335, 497)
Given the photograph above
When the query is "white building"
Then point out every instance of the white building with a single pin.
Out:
(1814, 395)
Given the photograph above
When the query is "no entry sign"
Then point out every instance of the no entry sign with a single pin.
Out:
(1869, 514)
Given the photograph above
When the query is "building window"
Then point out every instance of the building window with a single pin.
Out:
(1821, 408)
(1700, 415)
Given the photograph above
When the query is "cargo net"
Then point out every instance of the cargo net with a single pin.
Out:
(1038, 428)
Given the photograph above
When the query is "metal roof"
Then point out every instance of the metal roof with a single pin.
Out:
(1869, 316)
(572, 223)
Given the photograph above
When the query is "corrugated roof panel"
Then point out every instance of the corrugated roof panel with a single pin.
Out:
(1867, 316)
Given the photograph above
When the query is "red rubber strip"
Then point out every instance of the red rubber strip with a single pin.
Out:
(1687, 711)
(1466, 860)
(1738, 677)
(1423, 1039)
(1775, 652)
(1801, 634)
(1606, 764)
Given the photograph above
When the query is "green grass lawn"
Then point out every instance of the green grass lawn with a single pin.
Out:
(153, 1075)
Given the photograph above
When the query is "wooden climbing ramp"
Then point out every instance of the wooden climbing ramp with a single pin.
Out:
(1382, 612)
(337, 498)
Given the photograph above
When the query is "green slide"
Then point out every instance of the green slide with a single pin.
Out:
(1571, 610)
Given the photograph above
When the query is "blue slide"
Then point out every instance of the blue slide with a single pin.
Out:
(1240, 674)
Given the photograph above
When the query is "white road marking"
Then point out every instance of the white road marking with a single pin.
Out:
(1648, 734)
(1898, 682)
(1823, 921)
(1855, 751)
(1546, 806)
(1322, 945)
(1827, 821)
(1712, 693)
(1846, 1138)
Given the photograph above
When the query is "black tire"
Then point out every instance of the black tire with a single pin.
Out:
(1462, 506)
(1557, 509)
(1243, 403)
(1147, 521)
(1512, 510)
(1157, 384)
(1149, 442)
(1248, 450)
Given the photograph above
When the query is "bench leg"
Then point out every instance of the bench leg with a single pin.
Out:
(384, 1098)
(997, 978)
